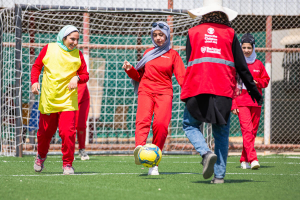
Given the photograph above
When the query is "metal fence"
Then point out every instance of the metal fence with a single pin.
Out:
(109, 36)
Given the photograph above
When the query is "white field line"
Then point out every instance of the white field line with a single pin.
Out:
(123, 161)
(91, 174)
(166, 173)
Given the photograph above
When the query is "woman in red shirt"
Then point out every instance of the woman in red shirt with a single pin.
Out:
(152, 80)
(247, 110)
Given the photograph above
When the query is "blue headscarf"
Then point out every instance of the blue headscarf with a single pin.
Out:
(65, 31)
(154, 53)
(251, 59)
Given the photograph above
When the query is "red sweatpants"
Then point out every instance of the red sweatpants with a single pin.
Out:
(161, 106)
(65, 121)
(249, 120)
(81, 118)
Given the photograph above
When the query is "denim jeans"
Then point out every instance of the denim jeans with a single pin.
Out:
(191, 127)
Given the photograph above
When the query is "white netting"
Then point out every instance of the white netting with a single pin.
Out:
(107, 39)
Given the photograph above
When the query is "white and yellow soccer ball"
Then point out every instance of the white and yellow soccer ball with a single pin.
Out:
(149, 155)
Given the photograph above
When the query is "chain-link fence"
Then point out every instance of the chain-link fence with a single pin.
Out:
(111, 35)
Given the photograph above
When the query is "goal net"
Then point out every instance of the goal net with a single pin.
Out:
(108, 36)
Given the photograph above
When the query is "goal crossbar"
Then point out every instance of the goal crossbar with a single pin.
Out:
(59, 8)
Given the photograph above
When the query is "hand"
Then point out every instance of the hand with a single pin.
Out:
(255, 81)
(257, 97)
(235, 111)
(35, 88)
(73, 83)
(127, 66)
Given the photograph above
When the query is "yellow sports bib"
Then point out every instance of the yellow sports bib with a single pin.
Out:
(60, 67)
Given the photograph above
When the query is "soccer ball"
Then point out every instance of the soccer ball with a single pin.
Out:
(149, 155)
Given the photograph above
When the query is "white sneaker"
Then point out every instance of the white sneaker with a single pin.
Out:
(255, 164)
(83, 155)
(135, 153)
(153, 171)
(245, 165)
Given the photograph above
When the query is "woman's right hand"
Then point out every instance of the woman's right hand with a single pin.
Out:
(235, 111)
(127, 66)
(35, 88)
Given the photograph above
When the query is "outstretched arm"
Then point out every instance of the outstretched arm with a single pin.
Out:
(132, 72)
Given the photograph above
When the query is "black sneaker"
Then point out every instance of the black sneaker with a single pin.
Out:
(208, 163)
(217, 180)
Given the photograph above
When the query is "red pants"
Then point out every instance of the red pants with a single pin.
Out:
(65, 121)
(249, 121)
(81, 118)
(161, 105)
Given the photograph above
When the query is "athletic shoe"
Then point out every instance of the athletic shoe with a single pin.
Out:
(153, 171)
(208, 163)
(83, 154)
(135, 153)
(68, 170)
(255, 164)
(245, 165)
(39, 163)
(217, 180)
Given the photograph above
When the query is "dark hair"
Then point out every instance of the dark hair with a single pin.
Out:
(248, 38)
(215, 17)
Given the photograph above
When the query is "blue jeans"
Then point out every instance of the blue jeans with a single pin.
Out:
(191, 127)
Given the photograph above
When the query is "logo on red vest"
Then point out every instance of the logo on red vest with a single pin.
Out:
(210, 30)
(211, 38)
(210, 50)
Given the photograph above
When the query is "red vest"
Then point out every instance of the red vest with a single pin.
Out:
(211, 68)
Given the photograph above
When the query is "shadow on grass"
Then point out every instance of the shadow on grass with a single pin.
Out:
(169, 173)
(255, 169)
(172, 173)
(227, 181)
(267, 166)
(60, 172)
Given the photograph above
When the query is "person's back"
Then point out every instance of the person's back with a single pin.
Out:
(211, 55)
(214, 58)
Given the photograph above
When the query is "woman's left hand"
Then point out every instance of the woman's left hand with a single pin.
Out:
(235, 111)
(255, 81)
(73, 83)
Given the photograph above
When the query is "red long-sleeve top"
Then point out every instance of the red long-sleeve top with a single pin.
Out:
(156, 76)
(260, 75)
(38, 66)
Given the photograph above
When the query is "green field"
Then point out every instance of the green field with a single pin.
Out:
(117, 177)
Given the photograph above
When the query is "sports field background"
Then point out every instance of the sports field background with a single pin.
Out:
(117, 177)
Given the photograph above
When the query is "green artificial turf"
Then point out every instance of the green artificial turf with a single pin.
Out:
(117, 177)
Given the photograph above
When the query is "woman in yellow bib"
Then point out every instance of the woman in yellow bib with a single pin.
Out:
(64, 68)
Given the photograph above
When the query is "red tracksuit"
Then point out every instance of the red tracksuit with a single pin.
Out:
(82, 113)
(249, 112)
(65, 121)
(155, 96)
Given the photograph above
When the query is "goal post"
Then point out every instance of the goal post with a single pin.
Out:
(108, 37)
